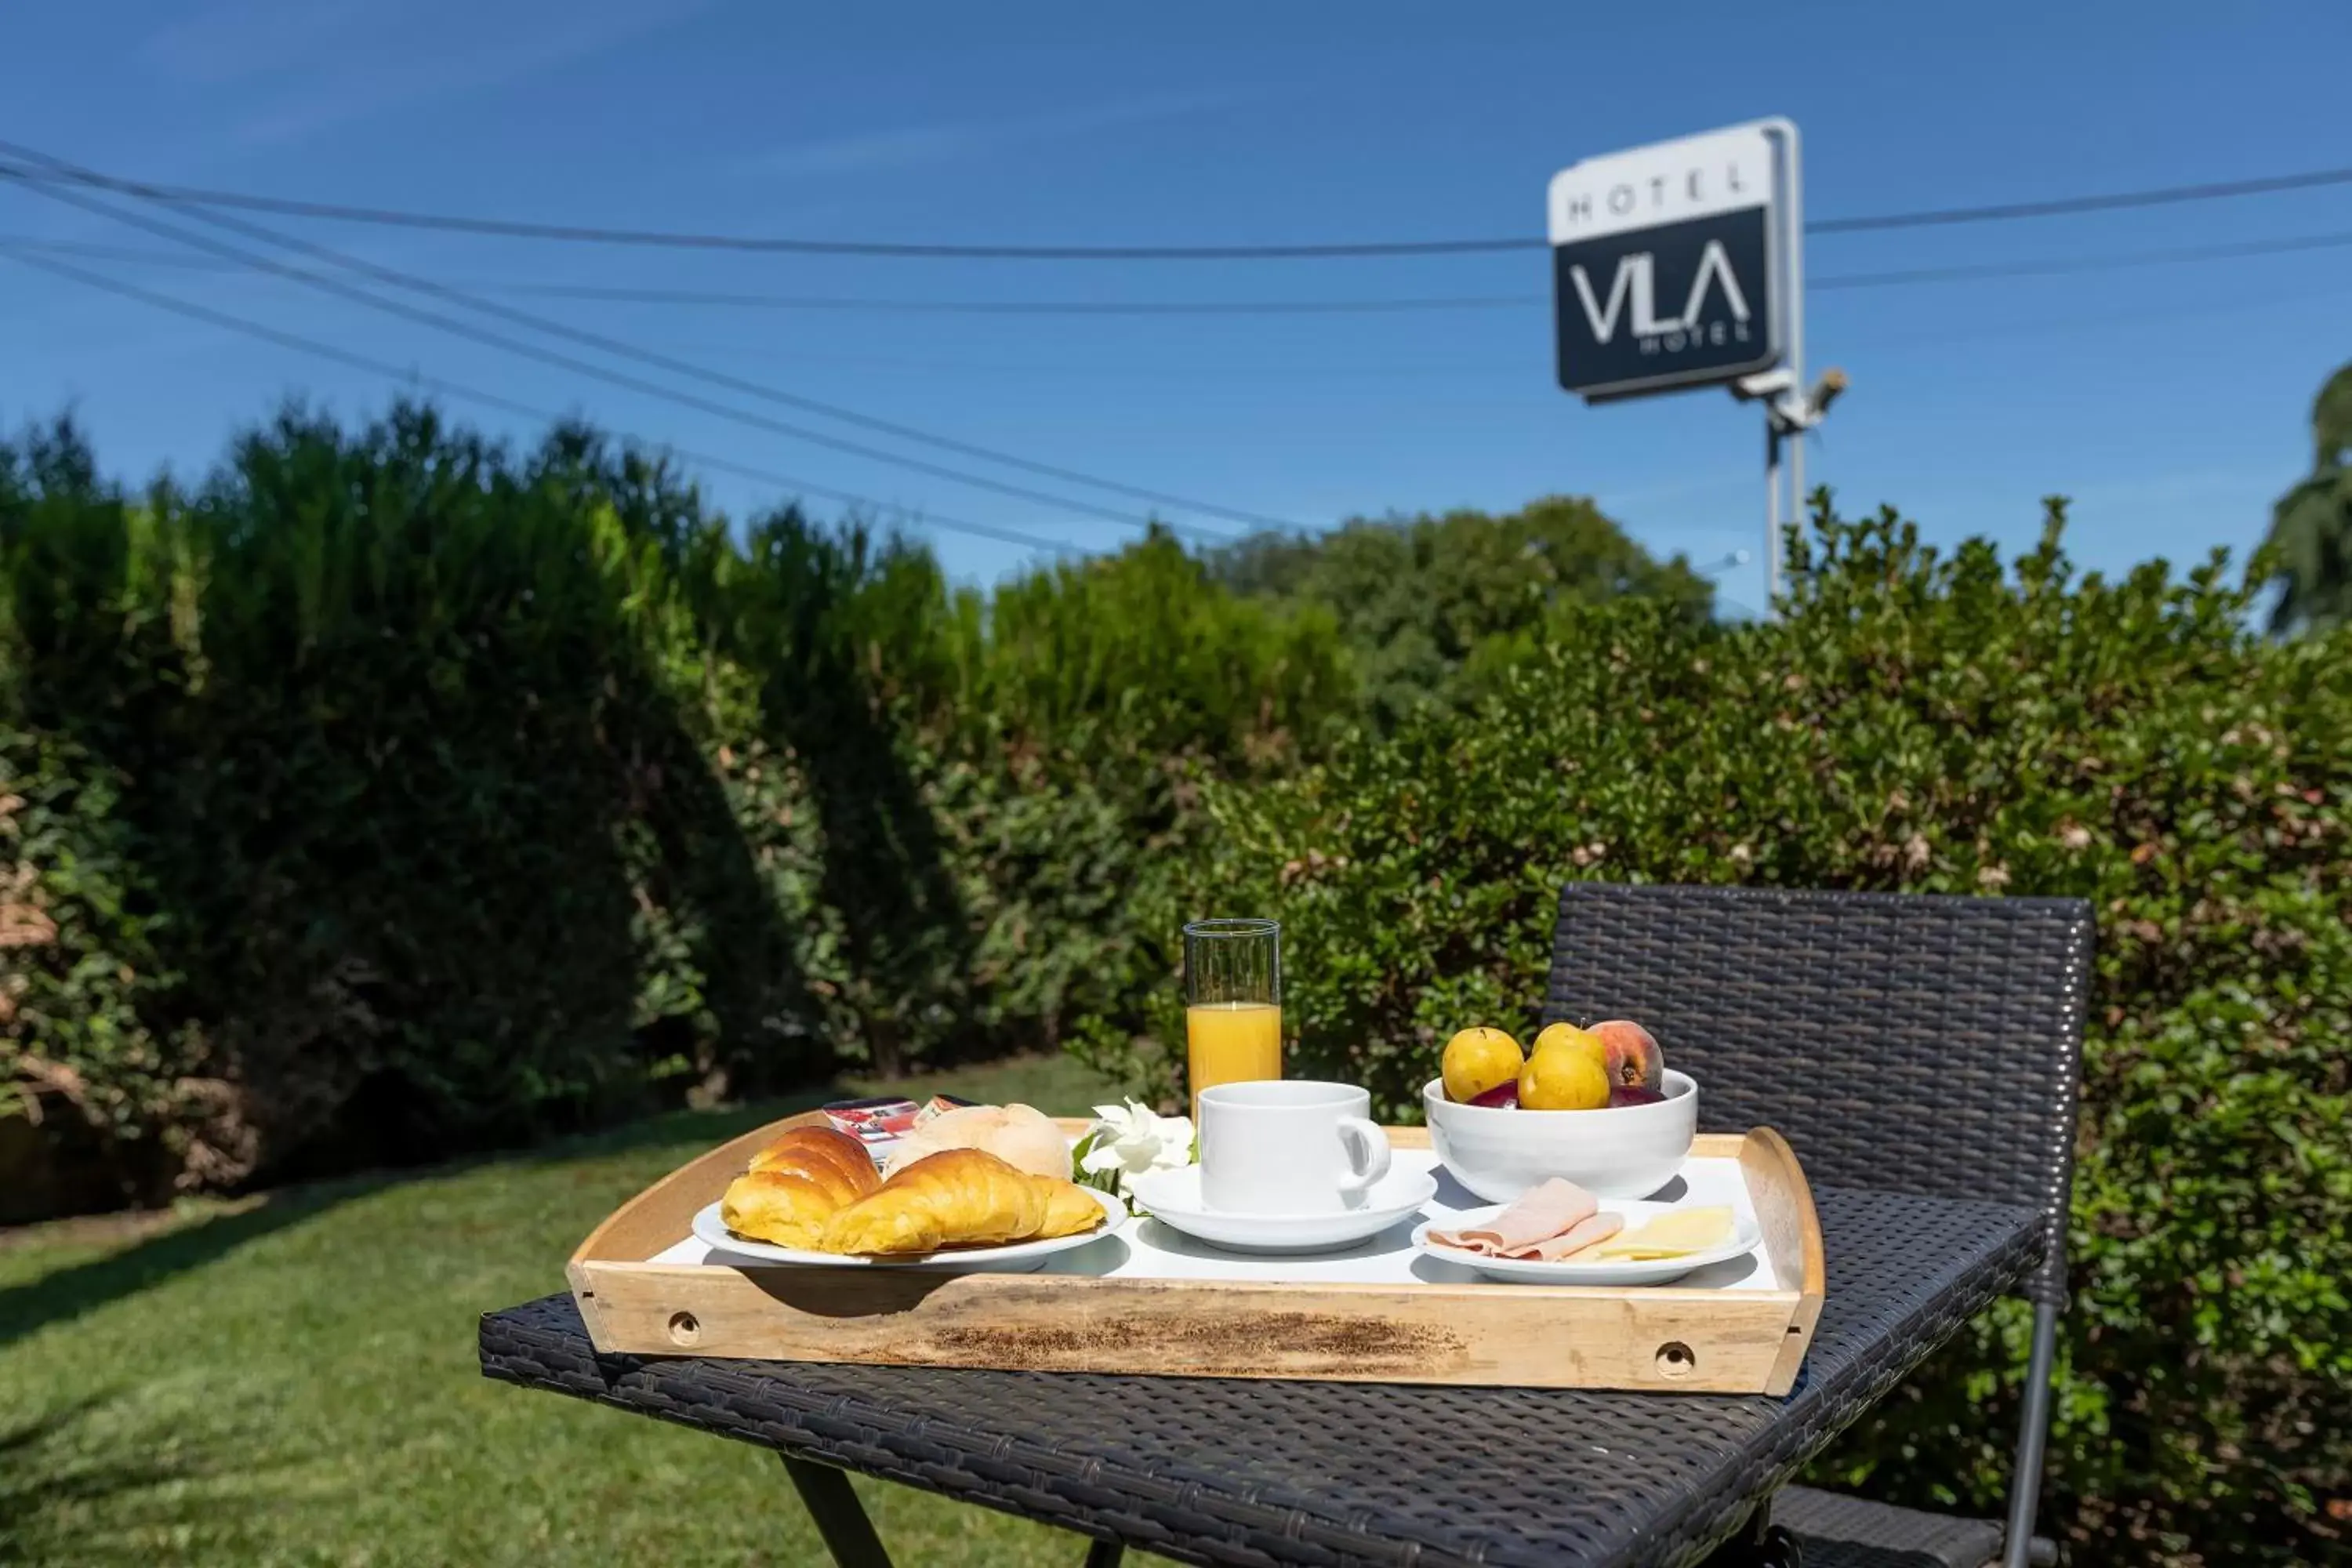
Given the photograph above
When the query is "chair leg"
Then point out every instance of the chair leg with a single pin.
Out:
(1758, 1543)
(840, 1517)
(2032, 1438)
(1105, 1553)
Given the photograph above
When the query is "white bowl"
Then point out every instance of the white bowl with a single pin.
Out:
(1618, 1151)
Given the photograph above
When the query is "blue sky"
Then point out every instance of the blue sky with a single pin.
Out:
(2170, 400)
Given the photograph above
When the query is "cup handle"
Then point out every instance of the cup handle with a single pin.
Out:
(1368, 1153)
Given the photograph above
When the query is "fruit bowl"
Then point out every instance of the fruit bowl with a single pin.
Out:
(1616, 1151)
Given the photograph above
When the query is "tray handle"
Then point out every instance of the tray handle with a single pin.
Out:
(1793, 1239)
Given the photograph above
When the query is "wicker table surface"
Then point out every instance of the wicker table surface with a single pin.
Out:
(1226, 1470)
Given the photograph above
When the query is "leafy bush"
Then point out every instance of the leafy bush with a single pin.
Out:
(389, 795)
(1933, 724)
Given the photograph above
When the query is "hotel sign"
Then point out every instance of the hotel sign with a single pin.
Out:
(1668, 262)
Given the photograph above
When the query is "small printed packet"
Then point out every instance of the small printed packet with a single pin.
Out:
(939, 1106)
(879, 1121)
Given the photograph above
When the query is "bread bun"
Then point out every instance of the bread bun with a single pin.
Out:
(1021, 1135)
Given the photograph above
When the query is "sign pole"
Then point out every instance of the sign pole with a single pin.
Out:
(1792, 248)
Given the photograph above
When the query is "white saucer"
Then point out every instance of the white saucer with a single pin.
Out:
(1014, 1257)
(1745, 1235)
(1173, 1198)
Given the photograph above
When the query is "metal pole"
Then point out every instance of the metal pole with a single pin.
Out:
(2032, 1438)
(1797, 479)
(1793, 214)
(1772, 510)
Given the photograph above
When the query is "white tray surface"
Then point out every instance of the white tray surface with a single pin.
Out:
(1145, 1249)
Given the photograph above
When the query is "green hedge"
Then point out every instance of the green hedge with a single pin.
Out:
(392, 794)
(1937, 725)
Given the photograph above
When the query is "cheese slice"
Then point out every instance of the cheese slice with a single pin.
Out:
(1671, 1235)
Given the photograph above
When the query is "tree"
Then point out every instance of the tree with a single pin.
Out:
(2310, 528)
(1420, 599)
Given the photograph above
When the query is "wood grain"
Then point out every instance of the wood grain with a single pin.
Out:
(1486, 1335)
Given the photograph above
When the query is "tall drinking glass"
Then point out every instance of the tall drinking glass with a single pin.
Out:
(1232, 1004)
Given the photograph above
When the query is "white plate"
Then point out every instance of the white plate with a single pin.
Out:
(1585, 1270)
(1017, 1257)
(1173, 1198)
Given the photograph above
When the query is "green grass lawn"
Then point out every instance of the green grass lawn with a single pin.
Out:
(293, 1381)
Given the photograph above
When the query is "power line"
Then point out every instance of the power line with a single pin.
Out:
(1964, 272)
(13, 243)
(478, 334)
(751, 300)
(622, 295)
(2056, 266)
(1958, 273)
(512, 405)
(662, 362)
(339, 212)
(590, 234)
(2115, 201)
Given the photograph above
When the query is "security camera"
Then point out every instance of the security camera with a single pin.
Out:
(1764, 384)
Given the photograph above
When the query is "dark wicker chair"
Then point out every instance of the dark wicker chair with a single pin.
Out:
(1928, 1045)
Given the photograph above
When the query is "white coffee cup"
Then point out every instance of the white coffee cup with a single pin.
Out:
(1289, 1147)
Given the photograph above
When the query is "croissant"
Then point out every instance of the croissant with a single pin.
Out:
(810, 1148)
(959, 1197)
(795, 1184)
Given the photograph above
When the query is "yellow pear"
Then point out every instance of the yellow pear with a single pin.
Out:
(1569, 1035)
(1564, 1076)
(1476, 1061)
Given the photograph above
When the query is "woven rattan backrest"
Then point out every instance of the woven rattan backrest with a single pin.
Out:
(1917, 1044)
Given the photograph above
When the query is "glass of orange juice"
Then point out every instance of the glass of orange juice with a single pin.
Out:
(1232, 1004)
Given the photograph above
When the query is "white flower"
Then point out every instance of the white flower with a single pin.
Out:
(1127, 1139)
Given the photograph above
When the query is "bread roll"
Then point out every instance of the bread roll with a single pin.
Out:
(1021, 1135)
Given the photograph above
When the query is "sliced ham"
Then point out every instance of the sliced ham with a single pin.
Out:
(1539, 1216)
(1585, 1233)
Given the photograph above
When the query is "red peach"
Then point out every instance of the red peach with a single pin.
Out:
(1633, 1057)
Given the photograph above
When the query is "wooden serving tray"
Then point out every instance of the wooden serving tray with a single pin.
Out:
(1654, 1338)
